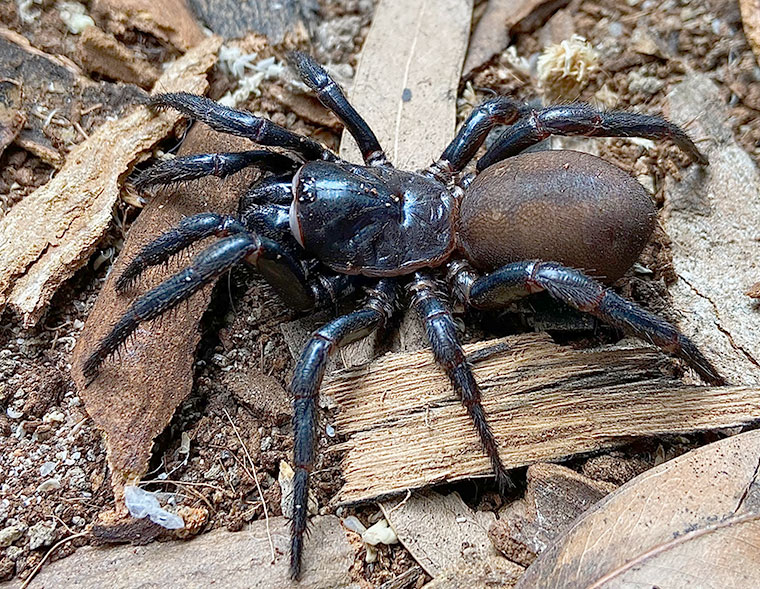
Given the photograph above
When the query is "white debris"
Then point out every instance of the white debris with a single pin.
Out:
(352, 523)
(142, 503)
(47, 468)
(25, 11)
(565, 68)
(285, 480)
(74, 16)
(380, 533)
(249, 72)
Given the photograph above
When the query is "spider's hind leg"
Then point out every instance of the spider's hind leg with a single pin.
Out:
(448, 352)
(307, 378)
(574, 288)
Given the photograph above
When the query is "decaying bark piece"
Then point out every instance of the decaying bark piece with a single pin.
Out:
(51, 93)
(691, 522)
(136, 393)
(235, 560)
(712, 216)
(445, 536)
(100, 52)
(52, 232)
(169, 20)
(555, 496)
(406, 428)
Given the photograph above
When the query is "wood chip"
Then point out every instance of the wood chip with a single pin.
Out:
(443, 533)
(238, 560)
(101, 53)
(169, 20)
(711, 215)
(750, 11)
(691, 522)
(406, 428)
(53, 231)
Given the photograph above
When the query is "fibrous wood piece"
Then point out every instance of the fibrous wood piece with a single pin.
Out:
(750, 11)
(406, 428)
(691, 522)
(102, 53)
(234, 560)
(712, 215)
(272, 18)
(52, 232)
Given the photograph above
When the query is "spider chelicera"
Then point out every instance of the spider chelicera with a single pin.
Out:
(318, 228)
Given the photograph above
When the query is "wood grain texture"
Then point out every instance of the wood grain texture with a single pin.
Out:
(406, 428)
(406, 82)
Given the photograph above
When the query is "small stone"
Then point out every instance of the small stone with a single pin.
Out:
(41, 534)
(49, 485)
(10, 534)
(638, 83)
(13, 552)
(47, 468)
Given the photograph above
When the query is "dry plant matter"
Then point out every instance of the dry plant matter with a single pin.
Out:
(407, 429)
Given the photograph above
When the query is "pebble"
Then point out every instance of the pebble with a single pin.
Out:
(10, 534)
(41, 534)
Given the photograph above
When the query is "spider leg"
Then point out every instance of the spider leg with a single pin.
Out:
(473, 132)
(192, 167)
(332, 97)
(210, 263)
(574, 288)
(307, 378)
(583, 119)
(242, 124)
(441, 332)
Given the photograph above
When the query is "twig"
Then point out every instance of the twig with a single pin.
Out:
(36, 570)
(255, 480)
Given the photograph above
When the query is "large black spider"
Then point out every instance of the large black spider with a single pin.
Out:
(318, 227)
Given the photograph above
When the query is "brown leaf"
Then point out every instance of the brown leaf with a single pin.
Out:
(711, 215)
(135, 394)
(52, 232)
(442, 533)
(407, 429)
(691, 522)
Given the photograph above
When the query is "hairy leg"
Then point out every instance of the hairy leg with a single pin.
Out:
(583, 119)
(574, 288)
(330, 94)
(441, 332)
(307, 378)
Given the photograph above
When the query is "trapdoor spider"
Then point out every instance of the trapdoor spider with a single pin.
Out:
(318, 228)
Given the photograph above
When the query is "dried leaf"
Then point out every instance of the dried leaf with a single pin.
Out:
(238, 560)
(154, 371)
(407, 429)
(712, 215)
(52, 232)
(442, 532)
(691, 522)
(406, 90)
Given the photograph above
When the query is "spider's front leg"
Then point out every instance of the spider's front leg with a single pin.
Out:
(583, 119)
(574, 288)
(307, 378)
(441, 333)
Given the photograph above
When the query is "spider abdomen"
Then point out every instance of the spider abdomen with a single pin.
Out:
(564, 206)
(374, 221)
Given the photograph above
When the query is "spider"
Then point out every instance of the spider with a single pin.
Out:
(318, 228)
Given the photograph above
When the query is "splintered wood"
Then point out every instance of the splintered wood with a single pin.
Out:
(407, 429)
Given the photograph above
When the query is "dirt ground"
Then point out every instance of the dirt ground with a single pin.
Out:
(55, 480)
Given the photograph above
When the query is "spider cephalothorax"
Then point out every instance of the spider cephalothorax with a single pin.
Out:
(318, 228)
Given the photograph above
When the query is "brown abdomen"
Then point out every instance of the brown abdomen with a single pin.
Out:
(562, 206)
